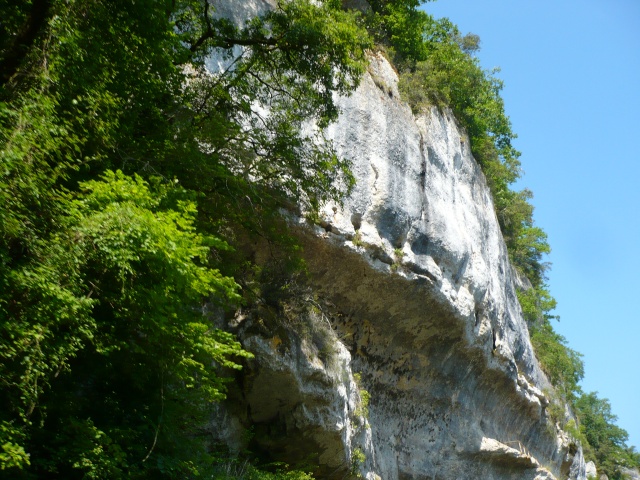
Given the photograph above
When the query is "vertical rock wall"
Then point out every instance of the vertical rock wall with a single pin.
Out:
(415, 297)
(432, 319)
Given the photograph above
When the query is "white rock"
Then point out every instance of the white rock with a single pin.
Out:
(425, 306)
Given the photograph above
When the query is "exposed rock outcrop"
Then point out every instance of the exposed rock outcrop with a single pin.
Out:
(413, 290)
(590, 470)
(631, 474)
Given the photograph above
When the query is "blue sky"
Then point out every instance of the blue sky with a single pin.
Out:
(572, 90)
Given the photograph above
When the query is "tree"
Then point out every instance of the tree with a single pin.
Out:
(607, 440)
(399, 26)
(562, 364)
(110, 130)
(117, 290)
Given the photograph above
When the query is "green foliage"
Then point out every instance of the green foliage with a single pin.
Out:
(300, 55)
(363, 407)
(556, 408)
(110, 130)
(357, 239)
(572, 429)
(537, 305)
(12, 453)
(449, 76)
(607, 441)
(113, 302)
(562, 364)
(362, 410)
(526, 242)
(357, 461)
(237, 470)
(398, 24)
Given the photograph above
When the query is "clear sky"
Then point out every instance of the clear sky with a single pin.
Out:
(572, 90)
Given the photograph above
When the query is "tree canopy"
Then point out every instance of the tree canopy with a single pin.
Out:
(124, 163)
(606, 441)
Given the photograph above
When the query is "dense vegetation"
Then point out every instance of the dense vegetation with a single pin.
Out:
(606, 443)
(127, 176)
(126, 173)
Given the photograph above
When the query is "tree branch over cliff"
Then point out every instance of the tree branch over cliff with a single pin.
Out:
(217, 31)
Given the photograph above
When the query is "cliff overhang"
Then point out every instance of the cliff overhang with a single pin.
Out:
(411, 298)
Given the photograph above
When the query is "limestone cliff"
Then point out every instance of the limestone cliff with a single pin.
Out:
(410, 303)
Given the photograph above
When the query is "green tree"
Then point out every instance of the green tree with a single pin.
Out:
(607, 440)
(107, 351)
(399, 26)
(110, 322)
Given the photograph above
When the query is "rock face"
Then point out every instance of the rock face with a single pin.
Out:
(411, 301)
(631, 474)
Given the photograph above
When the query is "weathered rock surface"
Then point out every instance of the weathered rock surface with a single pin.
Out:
(590, 470)
(299, 398)
(420, 299)
(631, 474)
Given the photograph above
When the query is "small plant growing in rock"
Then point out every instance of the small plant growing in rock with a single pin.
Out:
(574, 430)
(398, 255)
(556, 412)
(357, 460)
(357, 239)
(362, 410)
